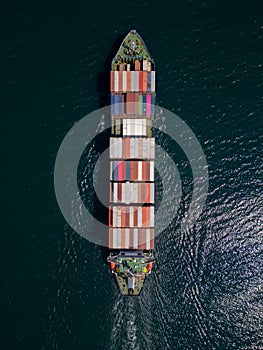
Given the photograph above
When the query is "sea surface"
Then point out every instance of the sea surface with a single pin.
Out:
(206, 289)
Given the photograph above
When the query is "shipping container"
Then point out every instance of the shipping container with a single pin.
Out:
(136, 103)
(149, 81)
(144, 81)
(128, 80)
(136, 81)
(148, 104)
(137, 65)
(120, 81)
(151, 170)
(124, 81)
(144, 65)
(131, 238)
(132, 81)
(116, 81)
(112, 81)
(144, 105)
(140, 81)
(153, 81)
(140, 103)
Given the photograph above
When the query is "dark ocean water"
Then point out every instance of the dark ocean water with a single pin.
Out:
(206, 289)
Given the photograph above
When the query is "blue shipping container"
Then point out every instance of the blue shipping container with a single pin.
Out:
(148, 81)
(144, 105)
(128, 171)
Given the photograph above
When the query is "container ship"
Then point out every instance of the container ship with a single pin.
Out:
(132, 153)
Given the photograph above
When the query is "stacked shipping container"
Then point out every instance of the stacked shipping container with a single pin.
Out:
(132, 153)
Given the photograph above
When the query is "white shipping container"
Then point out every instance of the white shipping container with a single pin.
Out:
(140, 171)
(144, 155)
(153, 81)
(119, 148)
(135, 238)
(111, 147)
(124, 81)
(144, 65)
(127, 238)
(114, 217)
(132, 192)
(119, 238)
(148, 238)
(139, 216)
(148, 149)
(135, 192)
(131, 223)
(136, 149)
(152, 216)
(151, 170)
(136, 81)
(116, 81)
(124, 123)
(152, 148)
(128, 192)
(114, 237)
(152, 193)
(132, 148)
(110, 168)
(115, 192)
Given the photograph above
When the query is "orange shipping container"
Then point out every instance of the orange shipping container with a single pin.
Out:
(144, 83)
(141, 238)
(132, 175)
(137, 65)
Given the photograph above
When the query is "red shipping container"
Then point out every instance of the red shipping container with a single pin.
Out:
(141, 238)
(144, 176)
(112, 81)
(135, 219)
(147, 171)
(135, 170)
(140, 81)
